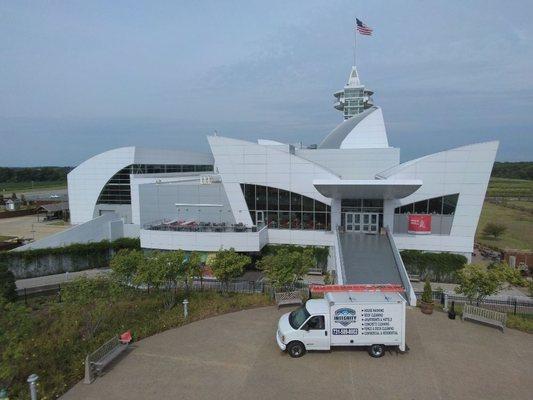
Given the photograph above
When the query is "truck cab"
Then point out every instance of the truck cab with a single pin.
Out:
(308, 324)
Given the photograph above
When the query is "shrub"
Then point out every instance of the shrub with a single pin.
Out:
(493, 229)
(8, 287)
(286, 266)
(439, 267)
(476, 282)
(427, 294)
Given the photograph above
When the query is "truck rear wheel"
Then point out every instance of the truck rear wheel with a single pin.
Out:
(376, 350)
(296, 349)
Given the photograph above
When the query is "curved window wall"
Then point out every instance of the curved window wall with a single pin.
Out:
(117, 189)
(281, 209)
(444, 205)
(441, 209)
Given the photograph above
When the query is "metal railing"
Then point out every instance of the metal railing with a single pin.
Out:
(511, 305)
(409, 291)
(200, 227)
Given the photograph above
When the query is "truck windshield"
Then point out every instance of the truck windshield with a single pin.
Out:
(298, 317)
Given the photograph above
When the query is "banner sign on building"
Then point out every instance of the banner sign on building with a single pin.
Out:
(419, 224)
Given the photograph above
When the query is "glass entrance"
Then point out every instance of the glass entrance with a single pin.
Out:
(361, 222)
(353, 222)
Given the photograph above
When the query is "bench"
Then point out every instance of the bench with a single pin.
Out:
(489, 317)
(286, 298)
(414, 278)
(105, 354)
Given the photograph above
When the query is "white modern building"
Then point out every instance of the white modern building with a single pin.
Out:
(350, 193)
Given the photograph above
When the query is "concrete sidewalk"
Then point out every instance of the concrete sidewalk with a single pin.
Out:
(235, 356)
(58, 278)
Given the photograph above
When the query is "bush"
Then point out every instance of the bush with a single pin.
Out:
(493, 229)
(427, 294)
(476, 282)
(53, 338)
(8, 287)
(438, 267)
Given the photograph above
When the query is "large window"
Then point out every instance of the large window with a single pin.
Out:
(362, 205)
(444, 205)
(282, 209)
(117, 189)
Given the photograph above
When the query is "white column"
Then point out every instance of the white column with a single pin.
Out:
(335, 213)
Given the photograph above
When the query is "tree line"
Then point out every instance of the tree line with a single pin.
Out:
(36, 174)
(513, 170)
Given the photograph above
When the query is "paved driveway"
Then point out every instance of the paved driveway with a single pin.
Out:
(235, 356)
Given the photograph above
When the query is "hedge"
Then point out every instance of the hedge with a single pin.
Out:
(77, 249)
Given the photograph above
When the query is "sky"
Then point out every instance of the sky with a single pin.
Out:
(81, 77)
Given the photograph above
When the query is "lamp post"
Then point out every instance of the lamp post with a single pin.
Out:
(185, 308)
(32, 381)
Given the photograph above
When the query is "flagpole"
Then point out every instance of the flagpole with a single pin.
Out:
(355, 45)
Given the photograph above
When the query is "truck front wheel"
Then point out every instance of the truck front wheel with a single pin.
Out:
(296, 349)
(376, 350)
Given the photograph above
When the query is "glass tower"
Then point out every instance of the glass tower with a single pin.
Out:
(354, 98)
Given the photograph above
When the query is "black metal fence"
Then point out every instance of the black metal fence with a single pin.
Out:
(512, 305)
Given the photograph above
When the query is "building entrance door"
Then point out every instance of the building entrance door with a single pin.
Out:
(370, 222)
(352, 222)
(361, 222)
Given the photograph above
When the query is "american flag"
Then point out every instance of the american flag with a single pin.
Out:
(362, 28)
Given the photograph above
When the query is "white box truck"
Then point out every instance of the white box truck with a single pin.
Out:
(372, 319)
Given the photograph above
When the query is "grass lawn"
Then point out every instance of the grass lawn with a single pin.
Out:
(2, 238)
(10, 187)
(528, 205)
(504, 187)
(52, 339)
(519, 233)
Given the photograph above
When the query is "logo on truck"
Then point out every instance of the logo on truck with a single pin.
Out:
(344, 316)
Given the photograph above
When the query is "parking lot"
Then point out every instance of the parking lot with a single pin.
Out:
(29, 228)
(235, 356)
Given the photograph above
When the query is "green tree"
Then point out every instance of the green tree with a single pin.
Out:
(162, 270)
(493, 229)
(228, 264)
(476, 282)
(194, 265)
(125, 263)
(8, 287)
(286, 266)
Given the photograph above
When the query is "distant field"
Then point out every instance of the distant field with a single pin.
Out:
(519, 234)
(9, 187)
(504, 187)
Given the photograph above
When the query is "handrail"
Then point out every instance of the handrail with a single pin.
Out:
(341, 277)
(409, 291)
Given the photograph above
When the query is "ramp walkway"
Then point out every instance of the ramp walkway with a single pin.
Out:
(372, 259)
(368, 259)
